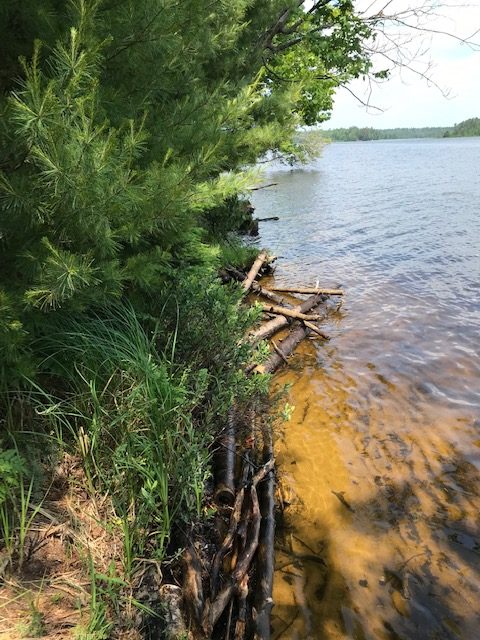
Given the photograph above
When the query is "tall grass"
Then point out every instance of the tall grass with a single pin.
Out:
(127, 410)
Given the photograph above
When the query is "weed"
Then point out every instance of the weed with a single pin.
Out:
(36, 626)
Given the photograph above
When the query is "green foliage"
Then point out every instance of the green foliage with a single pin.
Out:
(368, 133)
(470, 127)
(12, 470)
(36, 626)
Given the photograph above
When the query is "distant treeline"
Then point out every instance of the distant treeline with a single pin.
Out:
(469, 127)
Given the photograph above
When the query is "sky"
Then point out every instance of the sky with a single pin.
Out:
(407, 100)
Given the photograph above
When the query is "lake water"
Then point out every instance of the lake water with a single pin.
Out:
(380, 463)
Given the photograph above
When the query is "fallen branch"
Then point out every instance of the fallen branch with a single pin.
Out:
(289, 313)
(227, 542)
(214, 609)
(315, 329)
(266, 550)
(271, 327)
(257, 265)
(279, 351)
(218, 605)
(268, 219)
(287, 346)
(264, 186)
(241, 624)
(309, 290)
(266, 293)
(224, 464)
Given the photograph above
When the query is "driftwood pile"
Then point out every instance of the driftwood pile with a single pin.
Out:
(235, 602)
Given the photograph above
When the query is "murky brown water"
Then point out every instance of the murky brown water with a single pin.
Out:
(380, 462)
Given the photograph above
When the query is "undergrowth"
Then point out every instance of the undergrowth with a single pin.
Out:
(137, 401)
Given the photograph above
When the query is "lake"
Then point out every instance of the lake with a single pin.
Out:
(380, 462)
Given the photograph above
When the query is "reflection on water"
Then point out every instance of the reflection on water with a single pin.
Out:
(380, 463)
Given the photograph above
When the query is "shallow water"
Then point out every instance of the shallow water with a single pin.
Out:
(380, 462)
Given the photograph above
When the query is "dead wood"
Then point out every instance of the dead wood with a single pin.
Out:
(279, 351)
(268, 219)
(241, 623)
(265, 186)
(309, 290)
(257, 265)
(217, 606)
(227, 542)
(214, 608)
(271, 327)
(192, 583)
(224, 464)
(266, 549)
(289, 313)
(235, 274)
(286, 346)
(315, 329)
(172, 599)
(266, 293)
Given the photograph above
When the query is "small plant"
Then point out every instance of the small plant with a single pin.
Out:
(287, 412)
(35, 628)
(15, 519)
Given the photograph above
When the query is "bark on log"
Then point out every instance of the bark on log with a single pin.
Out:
(257, 265)
(241, 623)
(289, 313)
(235, 274)
(218, 605)
(266, 550)
(271, 327)
(227, 542)
(315, 329)
(309, 290)
(224, 464)
(192, 583)
(171, 597)
(266, 293)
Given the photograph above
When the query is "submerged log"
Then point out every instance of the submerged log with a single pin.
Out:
(271, 327)
(264, 186)
(286, 346)
(315, 329)
(289, 313)
(309, 290)
(218, 605)
(266, 550)
(252, 274)
(214, 609)
(224, 464)
(268, 219)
